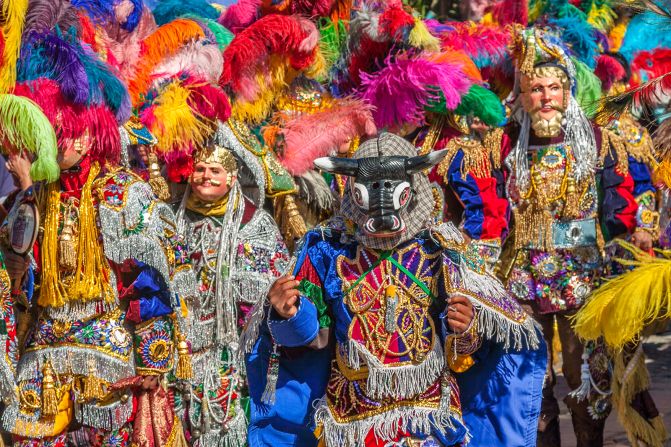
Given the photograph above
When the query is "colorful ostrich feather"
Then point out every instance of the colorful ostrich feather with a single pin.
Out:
(82, 77)
(404, 87)
(165, 41)
(46, 15)
(421, 38)
(13, 15)
(173, 121)
(588, 88)
(609, 70)
(26, 128)
(580, 37)
(241, 15)
(72, 121)
(619, 310)
(168, 10)
(199, 58)
(485, 45)
(311, 136)
(263, 59)
(484, 104)
(508, 12)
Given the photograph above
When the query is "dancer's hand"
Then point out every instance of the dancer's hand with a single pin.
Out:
(459, 313)
(642, 239)
(283, 296)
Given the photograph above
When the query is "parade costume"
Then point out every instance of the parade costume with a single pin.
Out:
(81, 356)
(237, 251)
(569, 190)
(383, 300)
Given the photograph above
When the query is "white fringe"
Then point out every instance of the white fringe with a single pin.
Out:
(107, 417)
(397, 382)
(7, 380)
(492, 324)
(385, 426)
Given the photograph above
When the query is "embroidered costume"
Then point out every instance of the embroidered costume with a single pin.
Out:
(110, 276)
(237, 251)
(397, 369)
(570, 191)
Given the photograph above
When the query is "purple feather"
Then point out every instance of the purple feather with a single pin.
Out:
(400, 91)
(46, 15)
(52, 57)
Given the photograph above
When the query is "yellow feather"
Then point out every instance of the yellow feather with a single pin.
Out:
(662, 173)
(421, 38)
(620, 309)
(602, 17)
(176, 124)
(14, 14)
(617, 35)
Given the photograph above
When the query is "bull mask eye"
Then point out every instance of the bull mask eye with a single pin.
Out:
(402, 195)
(360, 195)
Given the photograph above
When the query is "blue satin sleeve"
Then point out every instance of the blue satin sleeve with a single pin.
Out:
(152, 293)
(468, 192)
(642, 178)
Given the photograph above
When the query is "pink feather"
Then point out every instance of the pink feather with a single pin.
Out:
(200, 59)
(400, 91)
(485, 44)
(308, 137)
(240, 15)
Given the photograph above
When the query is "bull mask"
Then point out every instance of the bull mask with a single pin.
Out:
(383, 187)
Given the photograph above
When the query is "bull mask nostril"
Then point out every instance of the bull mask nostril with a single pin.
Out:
(376, 185)
(387, 185)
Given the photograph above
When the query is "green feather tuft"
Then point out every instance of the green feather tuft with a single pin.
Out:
(26, 128)
(332, 40)
(588, 90)
(484, 104)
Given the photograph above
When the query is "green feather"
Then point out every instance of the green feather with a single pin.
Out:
(26, 128)
(482, 103)
(588, 90)
(332, 40)
(221, 34)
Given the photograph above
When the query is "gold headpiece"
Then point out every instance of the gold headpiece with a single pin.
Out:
(217, 154)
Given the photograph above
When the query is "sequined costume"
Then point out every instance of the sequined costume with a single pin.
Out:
(236, 253)
(395, 373)
(81, 346)
(571, 192)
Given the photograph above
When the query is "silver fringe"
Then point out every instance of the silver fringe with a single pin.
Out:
(579, 135)
(75, 360)
(7, 378)
(36, 427)
(107, 417)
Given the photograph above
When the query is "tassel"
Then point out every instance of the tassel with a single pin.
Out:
(268, 396)
(205, 413)
(390, 311)
(49, 392)
(67, 243)
(93, 386)
(582, 392)
(156, 180)
(184, 368)
(445, 390)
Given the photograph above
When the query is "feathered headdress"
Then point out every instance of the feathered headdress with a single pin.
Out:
(72, 121)
(82, 77)
(182, 113)
(13, 18)
(406, 86)
(168, 10)
(311, 124)
(263, 59)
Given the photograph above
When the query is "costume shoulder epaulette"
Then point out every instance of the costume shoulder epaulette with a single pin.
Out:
(447, 236)
(113, 187)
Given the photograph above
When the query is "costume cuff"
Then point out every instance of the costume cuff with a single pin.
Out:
(460, 347)
(154, 347)
(298, 330)
(647, 217)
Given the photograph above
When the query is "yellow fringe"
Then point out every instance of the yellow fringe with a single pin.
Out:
(628, 381)
(14, 15)
(620, 309)
(91, 278)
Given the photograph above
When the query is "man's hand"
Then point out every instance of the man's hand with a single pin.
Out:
(642, 239)
(16, 265)
(283, 296)
(19, 167)
(459, 313)
(149, 383)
